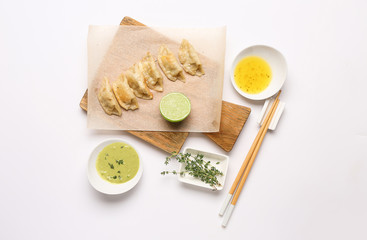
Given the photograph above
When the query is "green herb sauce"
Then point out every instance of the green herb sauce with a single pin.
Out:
(117, 163)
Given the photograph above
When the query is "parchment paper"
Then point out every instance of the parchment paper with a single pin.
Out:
(113, 49)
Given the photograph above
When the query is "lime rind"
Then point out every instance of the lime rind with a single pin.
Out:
(175, 107)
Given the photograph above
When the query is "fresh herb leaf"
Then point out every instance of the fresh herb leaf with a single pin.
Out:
(197, 167)
(120, 162)
(111, 165)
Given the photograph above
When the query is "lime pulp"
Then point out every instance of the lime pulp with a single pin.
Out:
(175, 107)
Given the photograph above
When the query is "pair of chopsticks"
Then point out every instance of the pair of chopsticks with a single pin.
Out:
(235, 190)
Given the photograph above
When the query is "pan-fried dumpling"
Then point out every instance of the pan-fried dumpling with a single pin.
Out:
(153, 77)
(107, 99)
(169, 64)
(190, 59)
(124, 94)
(136, 81)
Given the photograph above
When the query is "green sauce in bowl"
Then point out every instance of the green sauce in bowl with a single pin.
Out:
(117, 163)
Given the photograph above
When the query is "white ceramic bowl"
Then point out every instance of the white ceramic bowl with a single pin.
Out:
(104, 186)
(277, 64)
(208, 156)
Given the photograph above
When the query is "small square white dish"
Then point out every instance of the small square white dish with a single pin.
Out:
(208, 156)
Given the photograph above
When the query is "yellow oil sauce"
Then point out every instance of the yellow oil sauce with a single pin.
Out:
(252, 75)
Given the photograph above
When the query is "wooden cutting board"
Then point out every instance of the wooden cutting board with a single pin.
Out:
(232, 120)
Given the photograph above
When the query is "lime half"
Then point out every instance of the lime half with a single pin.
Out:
(175, 107)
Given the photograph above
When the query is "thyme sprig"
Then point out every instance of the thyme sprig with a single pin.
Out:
(197, 167)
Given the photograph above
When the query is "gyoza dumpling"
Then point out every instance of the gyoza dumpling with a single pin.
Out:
(169, 64)
(153, 77)
(124, 94)
(190, 59)
(136, 81)
(107, 99)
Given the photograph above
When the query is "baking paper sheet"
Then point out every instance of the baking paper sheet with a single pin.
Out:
(113, 49)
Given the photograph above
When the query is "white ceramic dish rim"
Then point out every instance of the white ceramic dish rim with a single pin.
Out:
(197, 182)
(277, 63)
(104, 186)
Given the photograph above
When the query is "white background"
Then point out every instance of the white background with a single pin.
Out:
(309, 180)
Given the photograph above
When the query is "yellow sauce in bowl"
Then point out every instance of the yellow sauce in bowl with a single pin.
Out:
(252, 75)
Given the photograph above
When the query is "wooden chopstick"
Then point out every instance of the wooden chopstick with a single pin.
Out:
(252, 159)
(240, 173)
(246, 161)
(247, 164)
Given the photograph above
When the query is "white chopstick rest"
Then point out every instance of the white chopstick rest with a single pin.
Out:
(227, 215)
(225, 204)
(278, 113)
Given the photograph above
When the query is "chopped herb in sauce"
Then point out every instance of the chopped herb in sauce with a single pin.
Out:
(117, 163)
